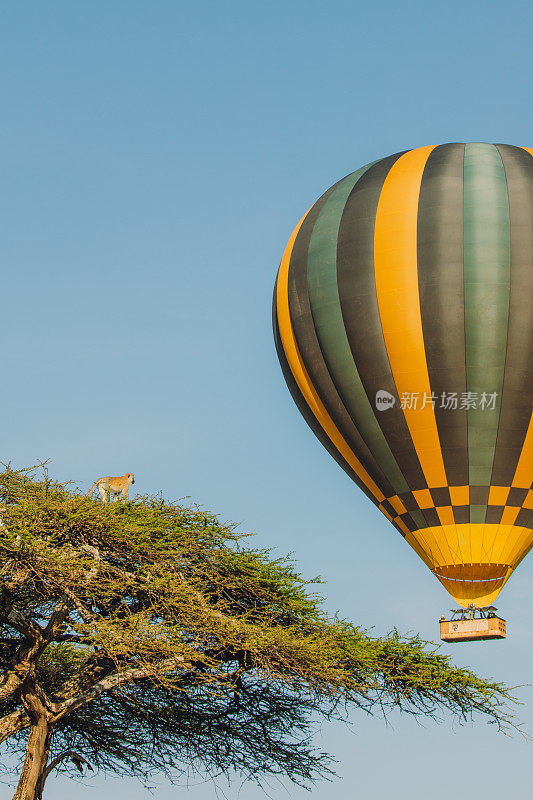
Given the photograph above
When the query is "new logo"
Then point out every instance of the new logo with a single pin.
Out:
(384, 400)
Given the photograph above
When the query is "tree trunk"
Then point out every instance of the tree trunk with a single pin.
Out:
(35, 761)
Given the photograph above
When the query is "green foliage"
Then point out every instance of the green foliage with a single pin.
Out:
(181, 648)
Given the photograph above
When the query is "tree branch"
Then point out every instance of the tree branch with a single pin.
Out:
(95, 553)
(30, 648)
(28, 627)
(11, 684)
(74, 757)
(59, 615)
(80, 608)
(111, 682)
(13, 723)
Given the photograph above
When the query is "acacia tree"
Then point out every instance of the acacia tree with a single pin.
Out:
(144, 637)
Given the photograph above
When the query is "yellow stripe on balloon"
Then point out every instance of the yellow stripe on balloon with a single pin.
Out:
(301, 376)
(396, 274)
(523, 476)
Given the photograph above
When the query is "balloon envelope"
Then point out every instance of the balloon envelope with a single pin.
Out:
(403, 319)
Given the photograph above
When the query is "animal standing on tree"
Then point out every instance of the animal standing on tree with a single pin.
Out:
(113, 486)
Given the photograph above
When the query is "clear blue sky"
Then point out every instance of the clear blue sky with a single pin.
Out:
(155, 157)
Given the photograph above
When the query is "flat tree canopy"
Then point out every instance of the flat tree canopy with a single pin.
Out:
(143, 638)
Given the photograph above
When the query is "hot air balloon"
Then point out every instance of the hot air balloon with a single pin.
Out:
(403, 320)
